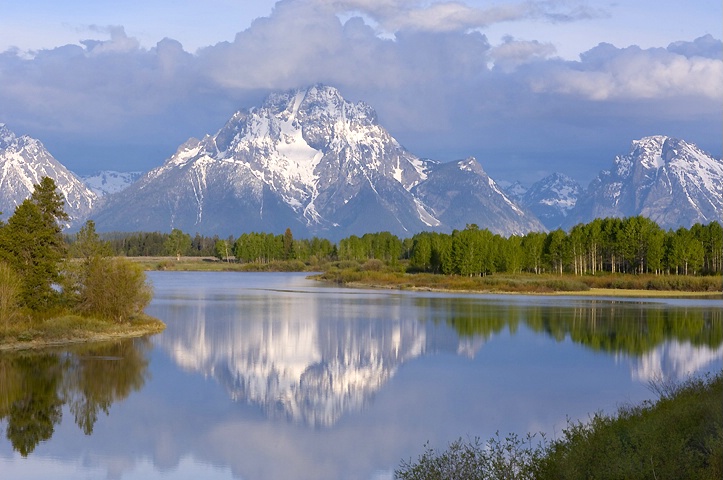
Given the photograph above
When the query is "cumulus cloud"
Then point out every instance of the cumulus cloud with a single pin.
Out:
(438, 84)
(606, 72)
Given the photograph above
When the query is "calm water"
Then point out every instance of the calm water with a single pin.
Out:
(271, 376)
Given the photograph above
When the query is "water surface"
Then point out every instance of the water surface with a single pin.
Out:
(271, 376)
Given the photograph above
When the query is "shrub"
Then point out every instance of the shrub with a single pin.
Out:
(114, 288)
(509, 458)
(373, 265)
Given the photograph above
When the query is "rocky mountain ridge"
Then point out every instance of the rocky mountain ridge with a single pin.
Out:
(665, 179)
(318, 164)
(24, 161)
(314, 162)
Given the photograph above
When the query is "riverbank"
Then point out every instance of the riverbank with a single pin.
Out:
(678, 436)
(609, 285)
(73, 329)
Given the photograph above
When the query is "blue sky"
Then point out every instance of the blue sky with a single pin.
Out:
(528, 87)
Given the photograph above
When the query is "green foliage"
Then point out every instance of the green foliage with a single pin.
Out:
(223, 250)
(114, 288)
(32, 244)
(680, 436)
(496, 459)
(88, 244)
(177, 243)
(10, 288)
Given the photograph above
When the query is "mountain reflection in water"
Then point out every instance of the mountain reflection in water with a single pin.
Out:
(311, 358)
(267, 376)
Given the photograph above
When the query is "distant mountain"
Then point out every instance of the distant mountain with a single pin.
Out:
(314, 162)
(515, 191)
(108, 181)
(550, 199)
(23, 162)
(461, 193)
(665, 179)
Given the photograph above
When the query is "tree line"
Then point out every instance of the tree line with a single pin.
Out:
(633, 245)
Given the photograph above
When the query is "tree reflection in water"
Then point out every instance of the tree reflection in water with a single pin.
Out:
(35, 386)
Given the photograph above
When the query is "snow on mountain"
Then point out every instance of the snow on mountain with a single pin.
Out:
(24, 161)
(108, 181)
(515, 191)
(551, 199)
(308, 359)
(305, 159)
(668, 180)
(461, 193)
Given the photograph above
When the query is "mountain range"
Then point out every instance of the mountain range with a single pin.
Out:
(314, 162)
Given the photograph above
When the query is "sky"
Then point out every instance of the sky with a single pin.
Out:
(528, 88)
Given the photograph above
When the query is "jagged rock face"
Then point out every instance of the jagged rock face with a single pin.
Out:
(308, 160)
(461, 193)
(551, 199)
(670, 181)
(24, 161)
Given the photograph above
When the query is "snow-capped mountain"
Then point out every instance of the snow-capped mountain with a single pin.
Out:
(109, 181)
(667, 180)
(515, 191)
(308, 160)
(24, 161)
(550, 199)
(461, 193)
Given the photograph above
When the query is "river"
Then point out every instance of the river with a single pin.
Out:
(273, 376)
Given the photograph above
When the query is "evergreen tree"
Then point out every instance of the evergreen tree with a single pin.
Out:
(34, 249)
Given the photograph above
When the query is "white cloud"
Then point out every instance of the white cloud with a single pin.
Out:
(438, 86)
(607, 73)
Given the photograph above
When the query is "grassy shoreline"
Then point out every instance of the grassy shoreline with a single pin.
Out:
(73, 329)
(678, 436)
(356, 275)
(618, 285)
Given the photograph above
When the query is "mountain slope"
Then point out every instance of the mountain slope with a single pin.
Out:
(551, 199)
(667, 180)
(461, 193)
(305, 159)
(108, 181)
(23, 162)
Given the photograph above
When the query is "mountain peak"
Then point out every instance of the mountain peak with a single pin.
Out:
(552, 198)
(24, 161)
(668, 180)
(306, 159)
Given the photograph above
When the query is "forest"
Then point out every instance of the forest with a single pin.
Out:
(634, 245)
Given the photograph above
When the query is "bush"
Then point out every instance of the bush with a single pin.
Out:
(372, 265)
(509, 458)
(679, 436)
(114, 288)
